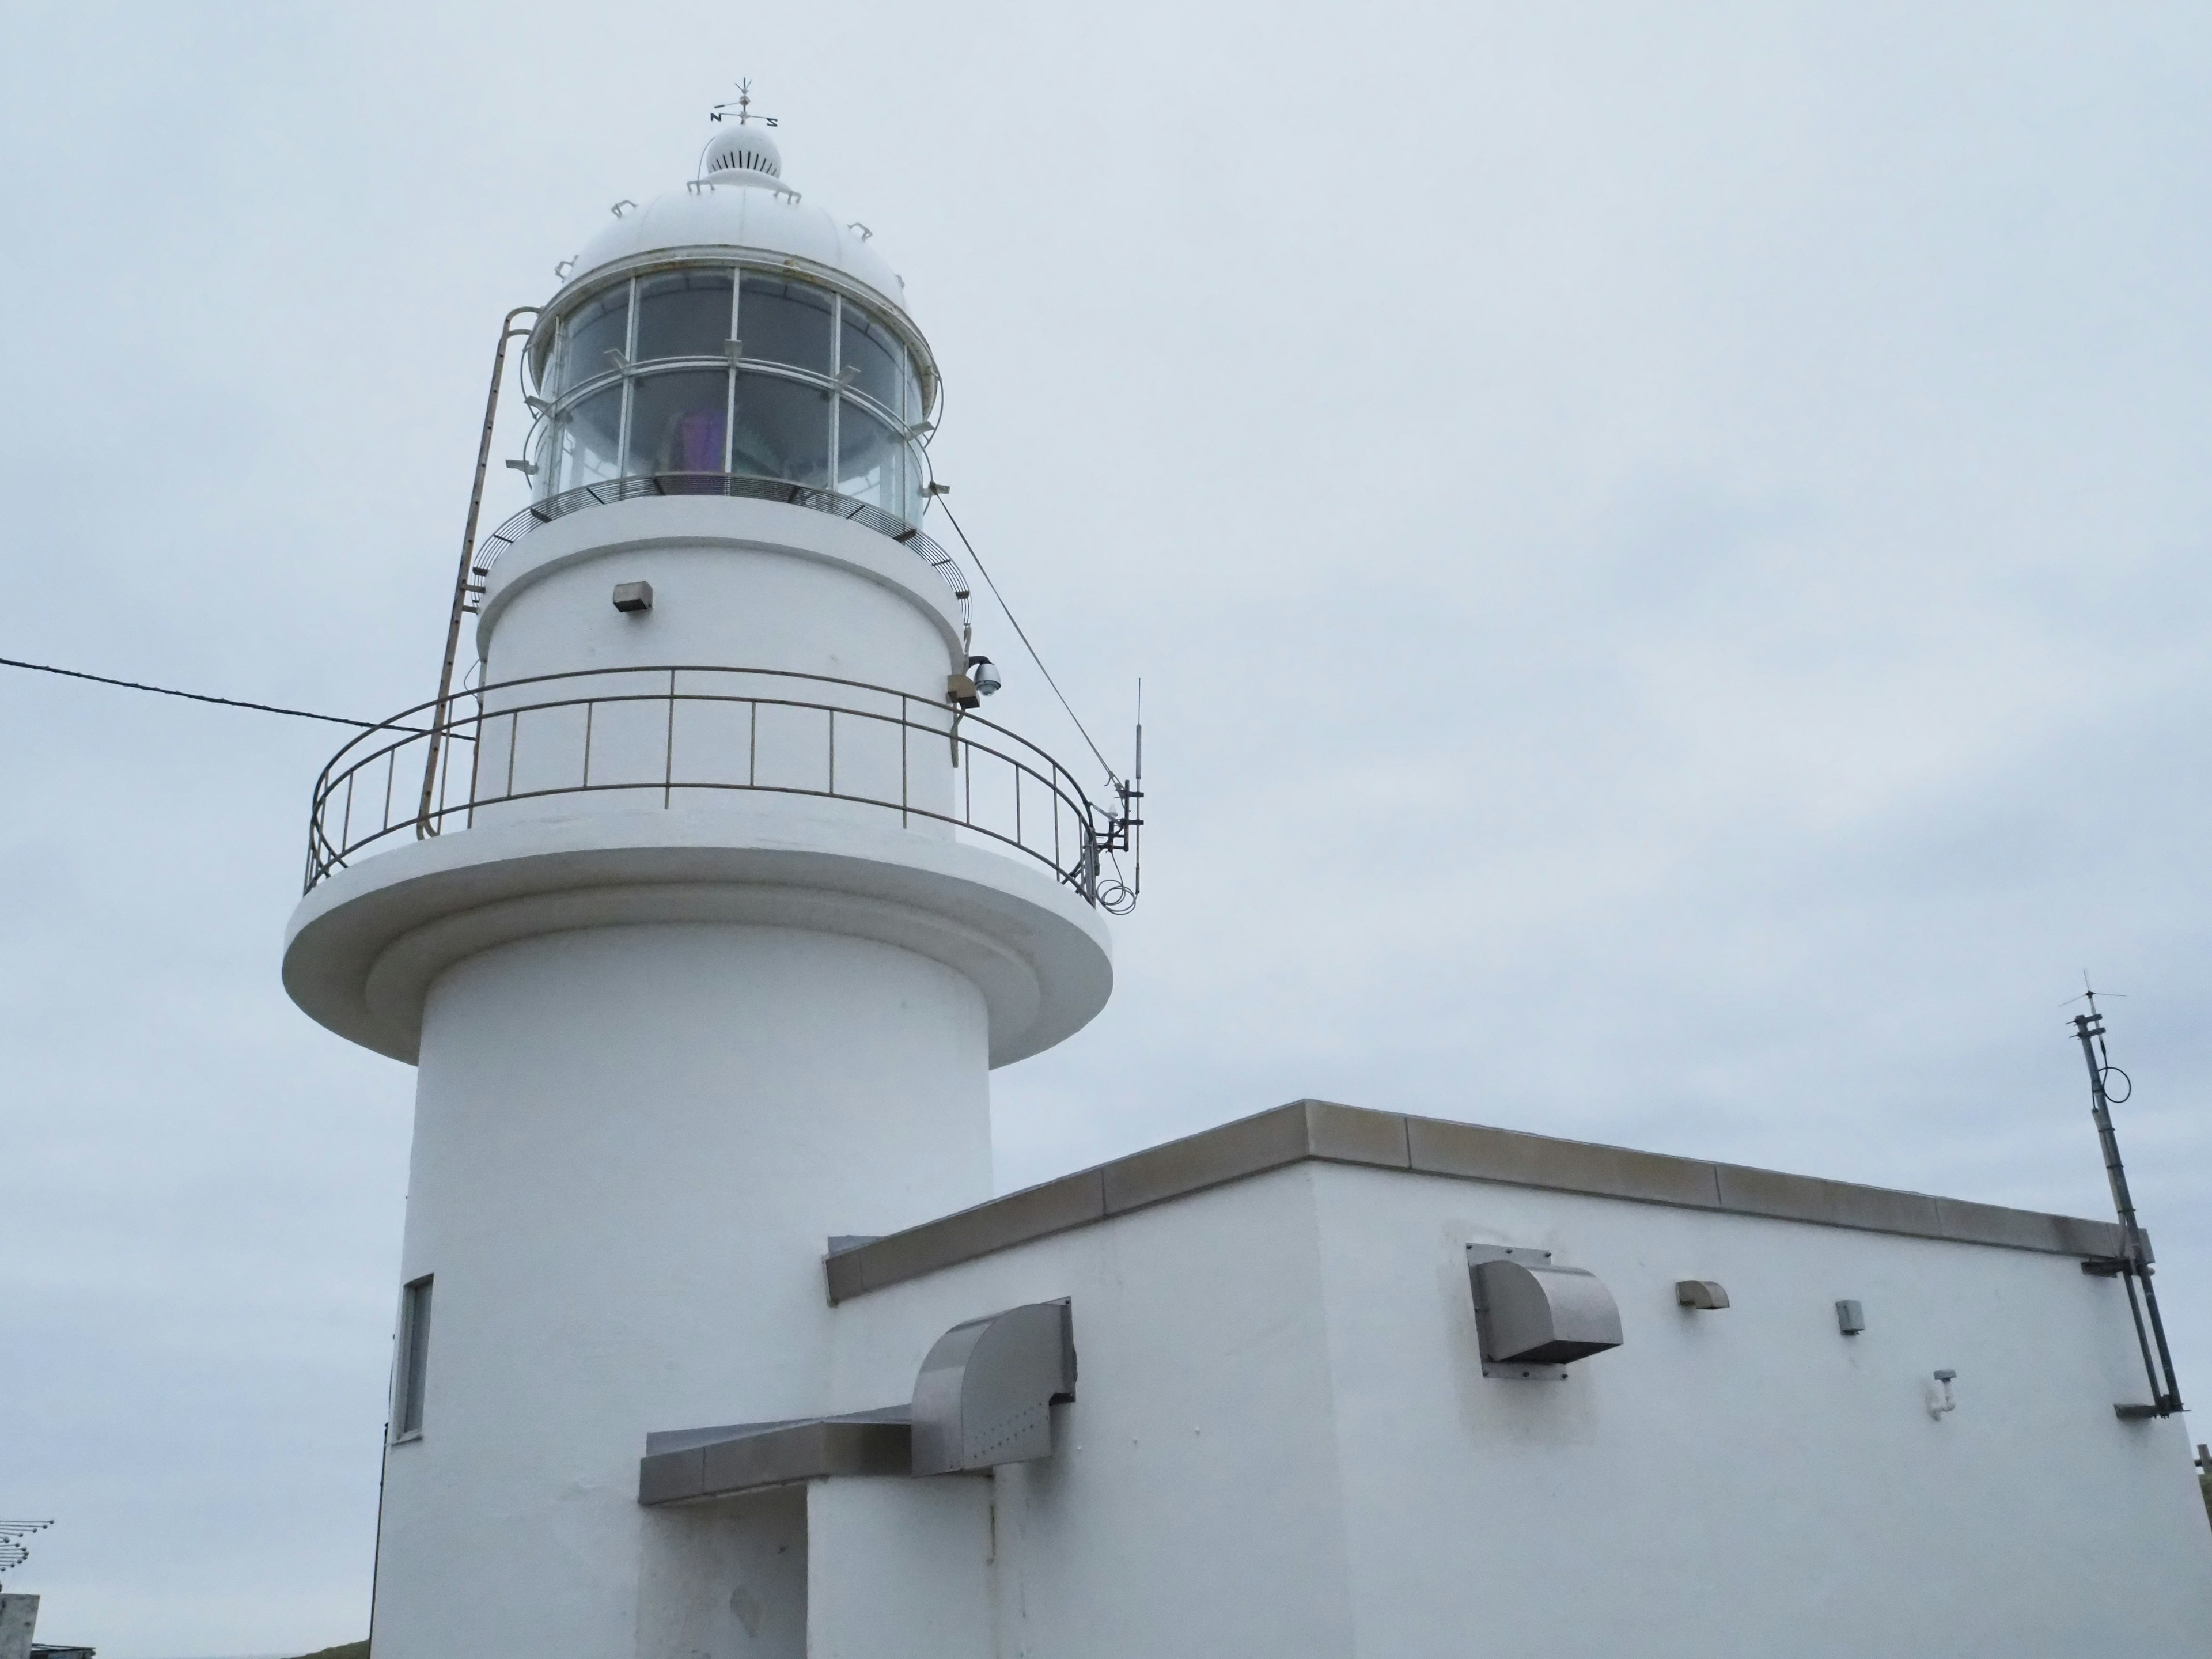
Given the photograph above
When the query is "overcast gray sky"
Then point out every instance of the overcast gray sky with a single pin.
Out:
(1666, 545)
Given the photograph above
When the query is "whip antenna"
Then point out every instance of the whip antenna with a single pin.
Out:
(2133, 1264)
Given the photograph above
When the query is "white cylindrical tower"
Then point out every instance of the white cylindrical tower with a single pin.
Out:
(718, 911)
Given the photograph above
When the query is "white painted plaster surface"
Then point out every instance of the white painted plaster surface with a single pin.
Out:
(668, 1044)
(630, 1144)
(1747, 1480)
(19, 1622)
(1282, 1441)
(364, 948)
(726, 1579)
(899, 1566)
(762, 584)
(1192, 1504)
(745, 593)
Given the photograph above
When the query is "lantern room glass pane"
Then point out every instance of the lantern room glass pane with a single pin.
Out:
(871, 359)
(585, 441)
(601, 326)
(910, 408)
(683, 314)
(869, 455)
(782, 430)
(782, 322)
(676, 422)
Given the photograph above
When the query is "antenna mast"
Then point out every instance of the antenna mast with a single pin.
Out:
(2133, 1264)
(13, 1551)
(1124, 831)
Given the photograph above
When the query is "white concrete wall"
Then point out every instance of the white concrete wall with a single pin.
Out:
(1748, 1480)
(899, 1567)
(643, 1109)
(736, 584)
(1282, 1443)
(19, 1622)
(724, 1579)
(1192, 1505)
(630, 1144)
(757, 607)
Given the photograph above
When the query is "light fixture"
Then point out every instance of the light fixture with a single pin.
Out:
(936, 490)
(985, 673)
(1938, 1407)
(1851, 1318)
(630, 598)
(1704, 1293)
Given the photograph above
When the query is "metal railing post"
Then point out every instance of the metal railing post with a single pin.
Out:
(668, 759)
(548, 694)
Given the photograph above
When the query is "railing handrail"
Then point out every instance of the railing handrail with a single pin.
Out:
(745, 485)
(330, 845)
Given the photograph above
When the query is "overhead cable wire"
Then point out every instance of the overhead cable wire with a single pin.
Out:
(203, 696)
(984, 571)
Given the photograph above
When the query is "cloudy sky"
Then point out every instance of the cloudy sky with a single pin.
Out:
(1665, 546)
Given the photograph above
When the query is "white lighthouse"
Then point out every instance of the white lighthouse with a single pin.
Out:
(705, 906)
(718, 910)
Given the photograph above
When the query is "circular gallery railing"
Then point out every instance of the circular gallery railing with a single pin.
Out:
(653, 736)
(867, 514)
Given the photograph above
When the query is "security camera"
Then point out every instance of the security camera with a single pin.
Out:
(985, 673)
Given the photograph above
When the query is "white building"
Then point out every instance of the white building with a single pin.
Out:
(716, 912)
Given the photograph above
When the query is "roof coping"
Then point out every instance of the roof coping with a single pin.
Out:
(1326, 1132)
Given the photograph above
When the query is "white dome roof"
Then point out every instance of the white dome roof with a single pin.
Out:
(742, 203)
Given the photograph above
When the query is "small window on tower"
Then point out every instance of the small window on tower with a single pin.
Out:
(412, 1361)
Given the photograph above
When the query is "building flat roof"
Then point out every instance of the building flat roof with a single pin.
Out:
(1323, 1131)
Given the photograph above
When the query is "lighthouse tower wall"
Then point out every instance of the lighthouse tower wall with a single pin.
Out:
(630, 1144)
(760, 583)
(717, 915)
(763, 617)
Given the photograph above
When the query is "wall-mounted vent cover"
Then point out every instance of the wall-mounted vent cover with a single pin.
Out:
(985, 1394)
(1535, 1318)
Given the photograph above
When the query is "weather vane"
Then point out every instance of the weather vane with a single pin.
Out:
(742, 106)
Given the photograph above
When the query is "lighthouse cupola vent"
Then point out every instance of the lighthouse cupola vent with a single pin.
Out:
(742, 154)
